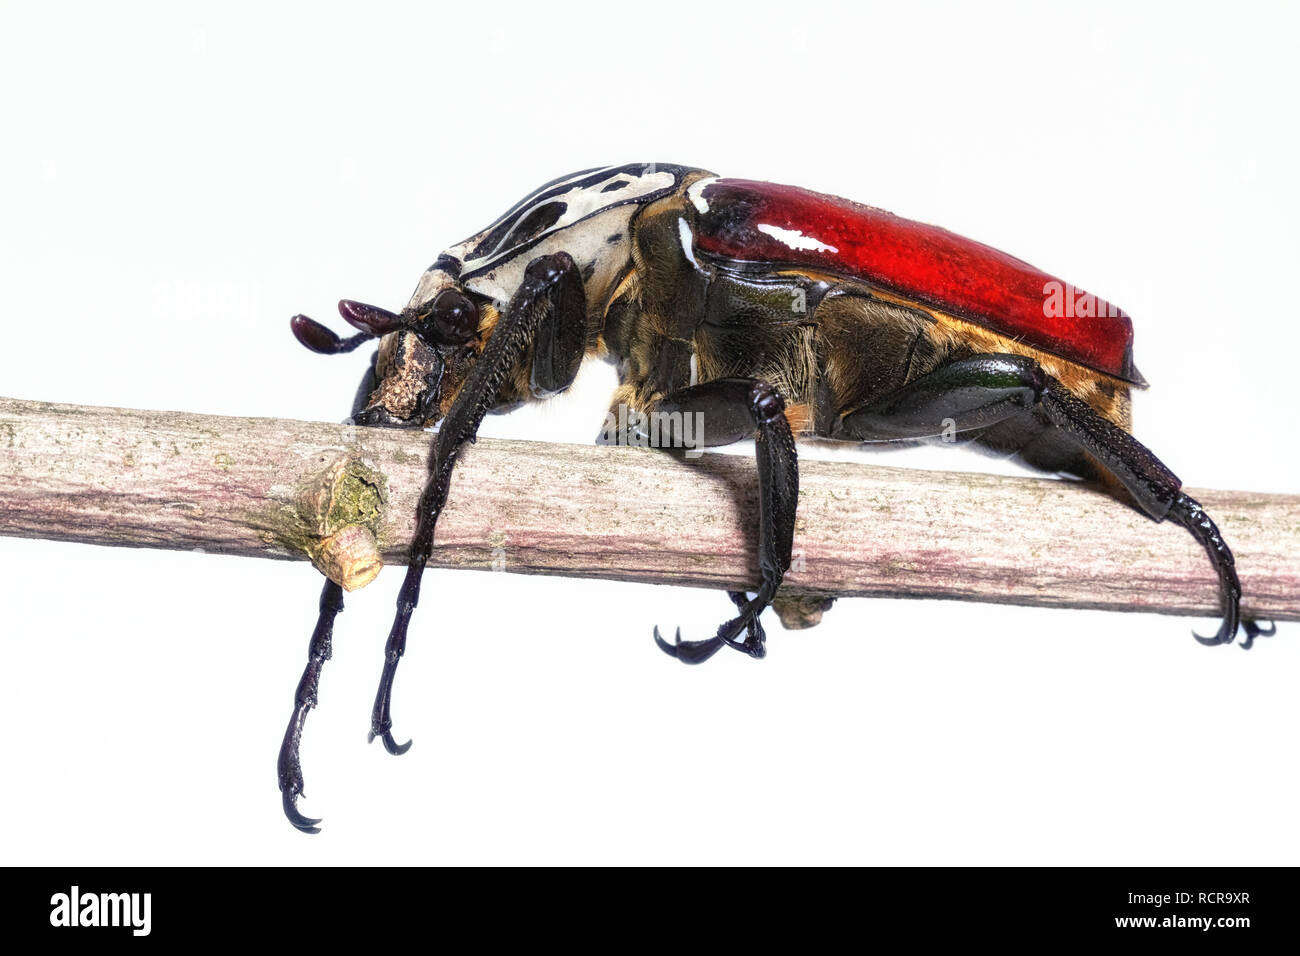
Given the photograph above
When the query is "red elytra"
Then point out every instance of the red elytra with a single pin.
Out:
(765, 222)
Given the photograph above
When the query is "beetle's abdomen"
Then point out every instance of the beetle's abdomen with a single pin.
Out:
(745, 221)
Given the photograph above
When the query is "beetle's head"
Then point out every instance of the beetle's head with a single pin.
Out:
(422, 365)
(425, 353)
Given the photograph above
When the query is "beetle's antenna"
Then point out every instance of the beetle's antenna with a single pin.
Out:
(370, 319)
(320, 339)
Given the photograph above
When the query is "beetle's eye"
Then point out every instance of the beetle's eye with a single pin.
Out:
(451, 320)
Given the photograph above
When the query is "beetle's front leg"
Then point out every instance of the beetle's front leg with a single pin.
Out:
(549, 303)
(289, 763)
(732, 409)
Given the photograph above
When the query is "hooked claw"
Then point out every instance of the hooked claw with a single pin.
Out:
(688, 652)
(1253, 630)
(753, 644)
(1227, 630)
(305, 824)
(391, 745)
(697, 652)
(1214, 641)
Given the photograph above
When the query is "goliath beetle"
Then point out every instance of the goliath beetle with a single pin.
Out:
(771, 311)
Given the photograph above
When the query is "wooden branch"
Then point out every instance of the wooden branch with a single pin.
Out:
(282, 489)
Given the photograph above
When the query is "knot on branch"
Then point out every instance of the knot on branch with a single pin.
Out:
(340, 512)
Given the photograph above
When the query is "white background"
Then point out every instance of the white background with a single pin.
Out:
(174, 185)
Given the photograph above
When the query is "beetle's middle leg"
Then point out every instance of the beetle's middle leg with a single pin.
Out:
(985, 390)
(729, 410)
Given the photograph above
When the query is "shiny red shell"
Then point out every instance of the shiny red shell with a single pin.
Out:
(746, 221)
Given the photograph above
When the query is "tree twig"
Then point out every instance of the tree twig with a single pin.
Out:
(280, 489)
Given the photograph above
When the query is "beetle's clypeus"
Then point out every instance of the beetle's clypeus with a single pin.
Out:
(769, 312)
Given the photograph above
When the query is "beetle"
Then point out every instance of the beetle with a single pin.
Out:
(761, 311)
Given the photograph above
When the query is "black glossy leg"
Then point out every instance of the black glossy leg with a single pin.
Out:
(754, 633)
(289, 765)
(1187, 512)
(561, 339)
(547, 290)
(733, 409)
(963, 395)
(1156, 490)
(985, 389)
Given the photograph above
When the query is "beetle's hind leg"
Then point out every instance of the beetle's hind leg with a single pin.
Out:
(984, 390)
(1157, 491)
(1187, 511)
(729, 410)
